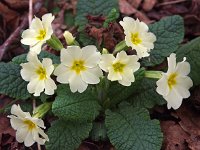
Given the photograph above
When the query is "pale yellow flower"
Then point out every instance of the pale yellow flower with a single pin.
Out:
(174, 85)
(39, 32)
(28, 128)
(38, 74)
(121, 68)
(79, 67)
(137, 36)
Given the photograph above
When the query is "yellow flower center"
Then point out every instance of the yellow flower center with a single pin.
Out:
(78, 66)
(172, 80)
(118, 67)
(42, 34)
(41, 73)
(30, 124)
(135, 38)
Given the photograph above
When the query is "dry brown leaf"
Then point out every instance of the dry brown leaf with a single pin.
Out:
(143, 17)
(135, 3)
(126, 8)
(174, 136)
(148, 4)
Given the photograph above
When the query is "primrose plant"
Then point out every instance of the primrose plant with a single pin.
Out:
(98, 93)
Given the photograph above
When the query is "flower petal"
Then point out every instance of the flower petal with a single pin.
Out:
(74, 51)
(128, 24)
(142, 51)
(21, 134)
(76, 83)
(171, 63)
(63, 73)
(122, 57)
(133, 63)
(106, 61)
(50, 86)
(41, 132)
(91, 75)
(66, 57)
(37, 47)
(29, 37)
(162, 86)
(36, 86)
(29, 139)
(127, 77)
(173, 99)
(47, 64)
(27, 71)
(182, 91)
(38, 122)
(47, 19)
(184, 81)
(16, 110)
(91, 56)
(16, 122)
(114, 76)
(36, 24)
(183, 68)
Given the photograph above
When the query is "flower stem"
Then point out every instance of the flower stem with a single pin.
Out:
(42, 109)
(120, 46)
(55, 43)
(153, 74)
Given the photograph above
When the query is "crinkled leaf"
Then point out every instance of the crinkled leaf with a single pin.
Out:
(145, 94)
(69, 18)
(75, 106)
(169, 33)
(93, 7)
(112, 16)
(118, 92)
(85, 39)
(191, 51)
(130, 128)
(65, 135)
(44, 54)
(11, 82)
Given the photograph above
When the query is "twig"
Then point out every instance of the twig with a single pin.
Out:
(4, 47)
(30, 14)
(171, 2)
(12, 37)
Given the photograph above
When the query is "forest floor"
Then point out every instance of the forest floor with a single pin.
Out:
(181, 128)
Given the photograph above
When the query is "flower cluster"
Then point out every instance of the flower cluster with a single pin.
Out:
(81, 67)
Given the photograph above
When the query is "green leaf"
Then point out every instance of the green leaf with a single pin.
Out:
(44, 54)
(75, 106)
(130, 128)
(169, 33)
(85, 39)
(112, 16)
(67, 135)
(69, 18)
(93, 7)
(98, 132)
(11, 82)
(20, 59)
(118, 92)
(191, 51)
(145, 94)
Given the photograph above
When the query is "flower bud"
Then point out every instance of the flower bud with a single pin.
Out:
(69, 38)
